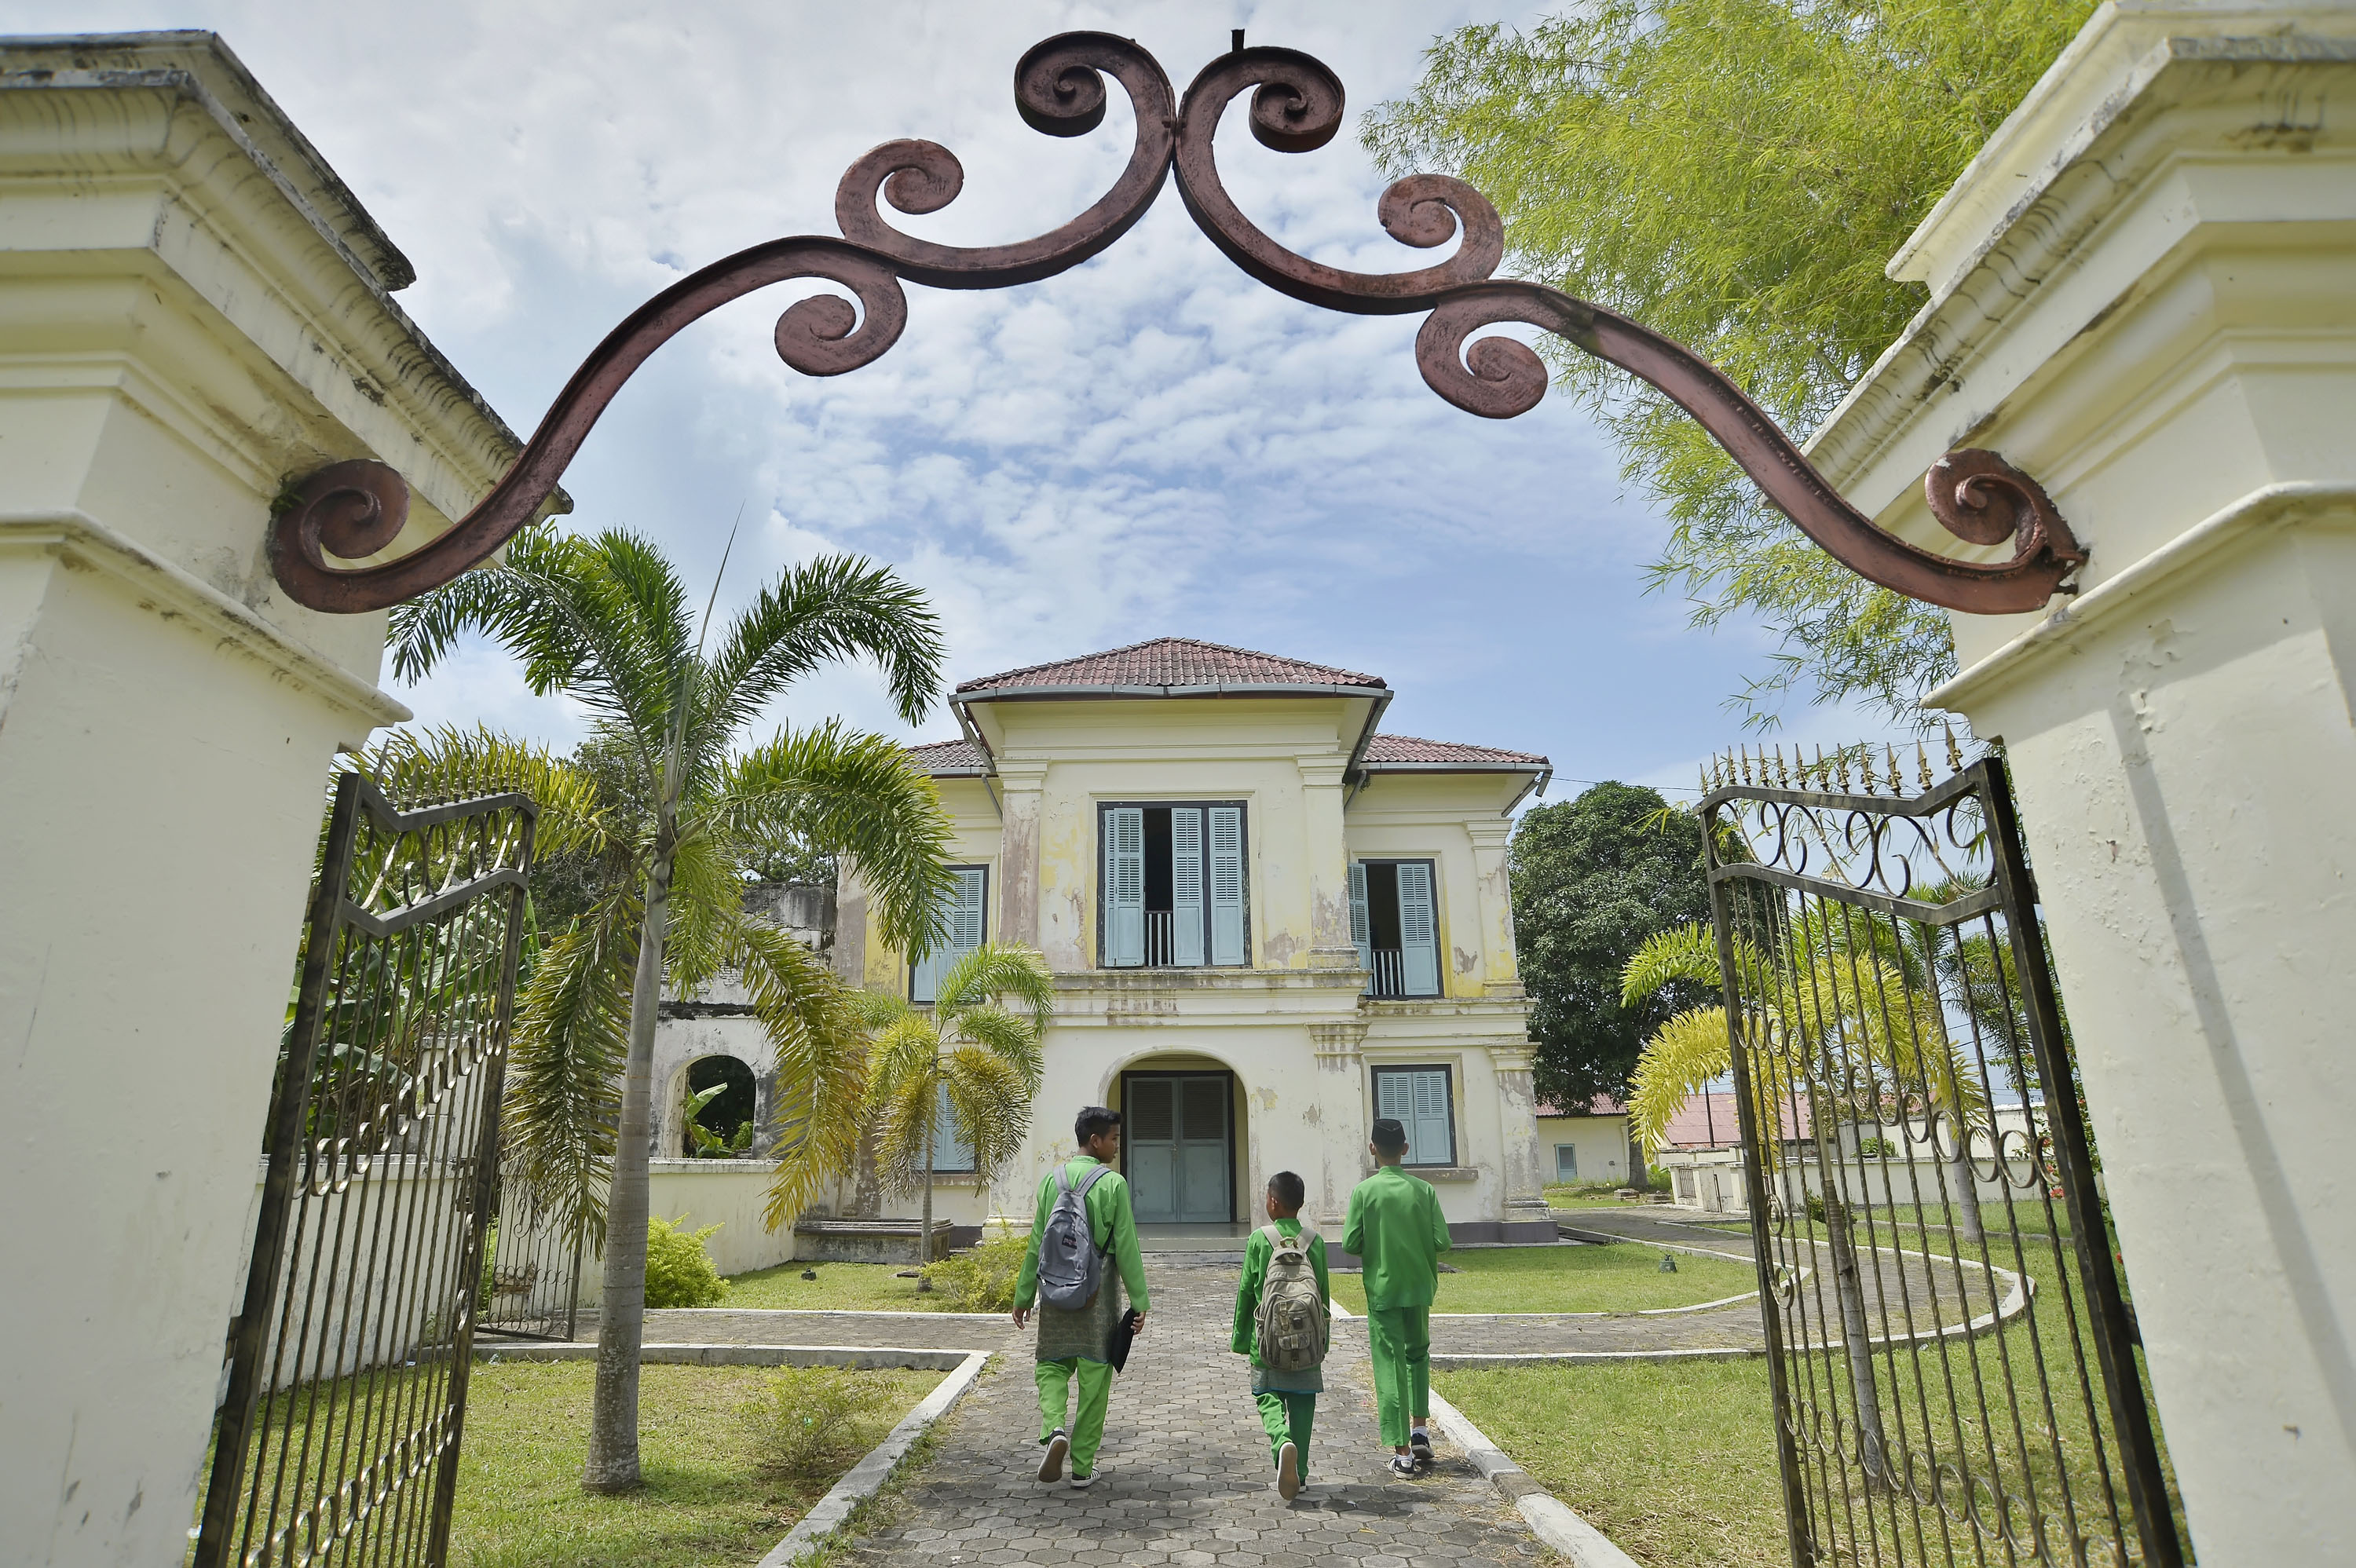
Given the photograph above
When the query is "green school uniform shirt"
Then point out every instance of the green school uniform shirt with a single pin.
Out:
(1395, 1229)
(1259, 1252)
(1111, 1222)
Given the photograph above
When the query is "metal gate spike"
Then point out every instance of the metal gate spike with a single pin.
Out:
(1922, 765)
(1954, 753)
(1897, 774)
(1840, 761)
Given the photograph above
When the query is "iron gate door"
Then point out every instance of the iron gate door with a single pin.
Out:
(337, 1437)
(1950, 1357)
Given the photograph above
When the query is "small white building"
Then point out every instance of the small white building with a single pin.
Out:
(1584, 1143)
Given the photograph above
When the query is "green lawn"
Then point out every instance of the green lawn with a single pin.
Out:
(859, 1288)
(1583, 1195)
(708, 1497)
(1676, 1461)
(1571, 1279)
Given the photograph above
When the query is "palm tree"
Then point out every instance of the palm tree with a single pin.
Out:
(1830, 997)
(972, 1050)
(604, 620)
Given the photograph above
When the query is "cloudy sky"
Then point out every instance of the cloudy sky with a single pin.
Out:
(1152, 444)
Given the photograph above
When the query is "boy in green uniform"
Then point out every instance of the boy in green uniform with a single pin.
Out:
(1288, 1400)
(1076, 1346)
(1396, 1232)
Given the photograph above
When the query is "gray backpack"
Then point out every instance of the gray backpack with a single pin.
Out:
(1071, 1264)
(1291, 1324)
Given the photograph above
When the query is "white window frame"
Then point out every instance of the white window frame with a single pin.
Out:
(1225, 925)
(1559, 1150)
(1361, 920)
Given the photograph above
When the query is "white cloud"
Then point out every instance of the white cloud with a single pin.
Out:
(1151, 443)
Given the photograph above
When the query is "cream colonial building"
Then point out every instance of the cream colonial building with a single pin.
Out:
(1269, 923)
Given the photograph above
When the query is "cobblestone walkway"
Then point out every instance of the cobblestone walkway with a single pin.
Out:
(1183, 1473)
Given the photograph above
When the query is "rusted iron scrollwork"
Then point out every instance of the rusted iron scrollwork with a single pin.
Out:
(354, 510)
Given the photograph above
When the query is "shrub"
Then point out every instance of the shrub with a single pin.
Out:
(679, 1270)
(982, 1277)
(814, 1419)
(1876, 1148)
(1660, 1180)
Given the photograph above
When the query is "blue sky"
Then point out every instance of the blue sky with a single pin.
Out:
(1152, 444)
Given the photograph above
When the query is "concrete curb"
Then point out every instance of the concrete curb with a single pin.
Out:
(865, 1478)
(1550, 1519)
(870, 1358)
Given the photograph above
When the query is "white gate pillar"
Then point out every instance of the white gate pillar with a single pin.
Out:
(193, 312)
(2143, 293)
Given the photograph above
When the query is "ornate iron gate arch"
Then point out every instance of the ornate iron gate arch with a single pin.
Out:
(354, 509)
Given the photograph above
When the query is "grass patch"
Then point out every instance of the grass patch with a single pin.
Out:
(713, 1490)
(1571, 1279)
(1583, 1195)
(1676, 1462)
(854, 1287)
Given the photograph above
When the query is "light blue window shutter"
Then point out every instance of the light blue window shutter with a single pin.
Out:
(1429, 1140)
(965, 912)
(1227, 884)
(1419, 930)
(1124, 887)
(1361, 928)
(963, 906)
(1186, 886)
(1394, 1098)
(950, 1152)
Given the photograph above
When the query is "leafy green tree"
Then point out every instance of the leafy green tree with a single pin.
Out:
(1735, 174)
(977, 1048)
(680, 810)
(1592, 878)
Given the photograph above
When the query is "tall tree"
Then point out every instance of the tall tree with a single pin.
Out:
(1735, 174)
(974, 1053)
(606, 621)
(1592, 878)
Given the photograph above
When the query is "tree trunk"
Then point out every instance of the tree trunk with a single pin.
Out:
(613, 1464)
(1848, 1287)
(925, 1226)
(1963, 1208)
(1637, 1177)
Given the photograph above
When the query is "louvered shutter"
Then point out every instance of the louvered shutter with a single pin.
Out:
(1429, 1140)
(1124, 887)
(1419, 930)
(1394, 1098)
(1227, 884)
(1186, 886)
(1361, 928)
(950, 1152)
(964, 907)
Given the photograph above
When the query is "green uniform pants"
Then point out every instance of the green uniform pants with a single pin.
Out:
(1086, 1428)
(1400, 1341)
(1288, 1417)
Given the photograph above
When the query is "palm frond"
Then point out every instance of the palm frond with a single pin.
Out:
(821, 1055)
(851, 794)
(989, 1102)
(999, 972)
(834, 607)
(1686, 952)
(707, 905)
(448, 763)
(1683, 1055)
(1009, 1037)
(564, 1084)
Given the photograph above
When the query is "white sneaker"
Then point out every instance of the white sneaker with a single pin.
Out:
(1051, 1467)
(1288, 1472)
(1082, 1483)
(1418, 1443)
(1402, 1465)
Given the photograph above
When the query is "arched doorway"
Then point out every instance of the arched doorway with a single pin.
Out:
(1182, 1143)
(726, 1124)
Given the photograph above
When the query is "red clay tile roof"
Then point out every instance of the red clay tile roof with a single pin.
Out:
(947, 758)
(1410, 749)
(1711, 1121)
(1174, 661)
(1601, 1105)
